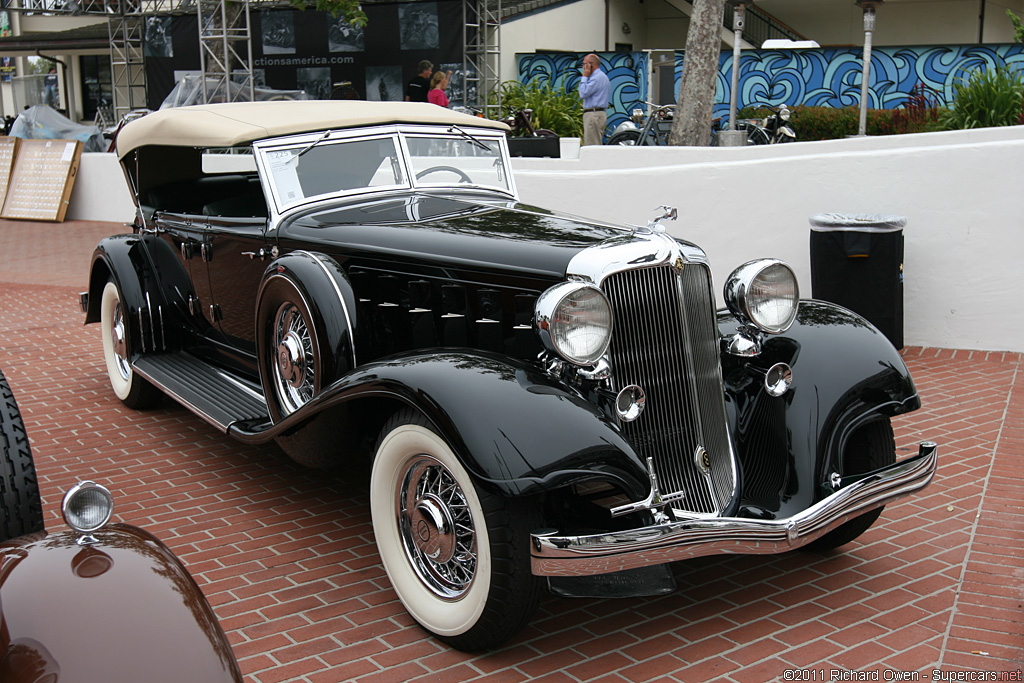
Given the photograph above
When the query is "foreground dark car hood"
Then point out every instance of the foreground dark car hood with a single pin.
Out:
(489, 233)
(124, 609)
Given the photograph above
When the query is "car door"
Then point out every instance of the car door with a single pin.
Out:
(238, 255)
(186, 235)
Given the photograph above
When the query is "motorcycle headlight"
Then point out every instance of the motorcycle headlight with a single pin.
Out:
(574, 320)
(637, 116)
(763, 293)
(784, 113)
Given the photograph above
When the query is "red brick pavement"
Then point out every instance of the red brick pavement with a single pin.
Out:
(286, 554)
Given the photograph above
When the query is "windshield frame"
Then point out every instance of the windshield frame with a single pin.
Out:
(264, 151)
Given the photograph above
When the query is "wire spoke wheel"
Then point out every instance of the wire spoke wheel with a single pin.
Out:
(437, 528)
(457, 556)
(133, 390)
(295, 367)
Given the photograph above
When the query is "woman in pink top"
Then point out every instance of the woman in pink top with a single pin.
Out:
(438, 84)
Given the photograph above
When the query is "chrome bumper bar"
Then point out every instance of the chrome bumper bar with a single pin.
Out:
(554, 555)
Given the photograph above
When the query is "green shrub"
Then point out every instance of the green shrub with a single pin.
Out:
(553, 109)
(987, 97)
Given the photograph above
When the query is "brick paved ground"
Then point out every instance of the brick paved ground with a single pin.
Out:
(286, 555)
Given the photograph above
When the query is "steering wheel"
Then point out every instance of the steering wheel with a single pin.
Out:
(463, 178)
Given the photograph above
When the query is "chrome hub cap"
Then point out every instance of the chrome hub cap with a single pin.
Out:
(436, 528)
(294, 366)
(290, 361)
(119, 342)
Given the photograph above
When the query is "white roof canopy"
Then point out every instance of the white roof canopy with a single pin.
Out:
(230, 124)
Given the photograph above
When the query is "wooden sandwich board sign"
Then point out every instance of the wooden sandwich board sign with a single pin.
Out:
(42, 179)
(8, 152)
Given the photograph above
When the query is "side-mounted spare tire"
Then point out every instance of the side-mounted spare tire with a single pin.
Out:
(21, 509)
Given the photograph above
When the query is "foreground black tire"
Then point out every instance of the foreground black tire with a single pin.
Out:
(872, 446)
(457, 556)
(21, 509)
(134, 391)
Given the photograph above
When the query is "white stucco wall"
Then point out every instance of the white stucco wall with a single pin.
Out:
(898, 22)
(960, 192)
(100, 192)
(573, 27)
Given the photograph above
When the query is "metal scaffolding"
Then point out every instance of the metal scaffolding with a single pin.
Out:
(481, 55)
(125, 27)
(225, 50)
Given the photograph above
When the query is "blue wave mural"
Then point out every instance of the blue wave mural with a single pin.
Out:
(816, 77)
(627, 74)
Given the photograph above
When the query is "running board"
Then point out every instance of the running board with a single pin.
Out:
(212, 394)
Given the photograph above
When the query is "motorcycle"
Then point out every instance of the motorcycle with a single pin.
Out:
(642, 128)
(771, 130)
(645, 129)
(521, 123)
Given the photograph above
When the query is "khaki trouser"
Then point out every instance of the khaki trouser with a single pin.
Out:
(594, 123)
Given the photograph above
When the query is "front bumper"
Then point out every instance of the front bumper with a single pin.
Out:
(554, 555)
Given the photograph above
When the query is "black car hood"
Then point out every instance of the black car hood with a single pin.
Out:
(485, 233)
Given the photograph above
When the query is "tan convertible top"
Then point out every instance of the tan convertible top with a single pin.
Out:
(230, 124)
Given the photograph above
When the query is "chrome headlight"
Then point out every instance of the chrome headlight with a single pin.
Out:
(574, 320)
(784, 113)
(87, 507)
(637, 116)
(625, 125)
(763, 293)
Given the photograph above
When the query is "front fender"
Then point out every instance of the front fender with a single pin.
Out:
(515, 429)
(76, 611)
(845, 373)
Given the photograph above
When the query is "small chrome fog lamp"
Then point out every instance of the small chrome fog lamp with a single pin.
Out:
(629, 403)
(778, 379)
(87, 508)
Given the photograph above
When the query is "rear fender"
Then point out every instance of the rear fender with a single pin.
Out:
(152, 303)
(845, 373)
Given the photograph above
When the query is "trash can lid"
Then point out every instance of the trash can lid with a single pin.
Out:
(866, 222)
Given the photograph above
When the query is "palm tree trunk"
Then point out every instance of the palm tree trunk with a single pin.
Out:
(692, 123)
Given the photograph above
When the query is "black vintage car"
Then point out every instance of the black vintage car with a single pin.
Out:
(547, 401)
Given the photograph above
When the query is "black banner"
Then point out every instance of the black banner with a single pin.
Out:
(318, 53)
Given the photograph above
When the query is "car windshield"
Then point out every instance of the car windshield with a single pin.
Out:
(310, 167)
(445, 161)
(326, 168)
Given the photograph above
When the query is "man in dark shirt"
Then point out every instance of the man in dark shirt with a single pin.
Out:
(416, 90)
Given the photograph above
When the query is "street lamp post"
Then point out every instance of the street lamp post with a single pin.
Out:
(869, 7)
(733, 137)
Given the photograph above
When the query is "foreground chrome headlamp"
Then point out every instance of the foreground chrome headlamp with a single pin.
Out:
(87, 508)
(574, 320)
(784, 113)
(763, 293)
(637, 116)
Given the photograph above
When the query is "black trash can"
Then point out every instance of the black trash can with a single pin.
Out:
(857, 262)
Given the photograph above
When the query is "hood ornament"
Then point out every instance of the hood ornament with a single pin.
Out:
(668, 213)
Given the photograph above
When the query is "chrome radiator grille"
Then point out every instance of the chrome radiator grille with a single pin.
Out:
(666, 342)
